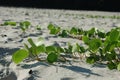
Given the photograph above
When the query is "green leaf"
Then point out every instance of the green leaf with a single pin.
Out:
(64, 33)
(82, 49)
(111, 46)
(33, 48)
(32, 43)
(19, 56)
(26, 46)
(10, 23)
(101, 34)
(55, 30)
(40, 49)
(114, 35)
(40, 41)
(90, 60)
(50, 26)
(78, 48)
(52, 57)
(59, 49)
(23, 28)
(69, 50)
(94, 44)
(51, 49)
(108, 33)
(118, 44)
(112, 65)
(118, 67)
(110, 55)
(73, 31)
(106, 41)
(80, 31)
(91, 31)
(85, 39)
(26, 24)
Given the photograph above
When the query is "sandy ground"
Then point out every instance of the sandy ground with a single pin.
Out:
(43, 71)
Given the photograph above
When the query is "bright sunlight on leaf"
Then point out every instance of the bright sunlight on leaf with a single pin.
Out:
(20, 55)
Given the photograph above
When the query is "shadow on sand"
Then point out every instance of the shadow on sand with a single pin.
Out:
(83, 71)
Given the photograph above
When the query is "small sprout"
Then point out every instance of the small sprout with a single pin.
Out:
(111, 65)
(50, 49)
(24, 25)
(11, 23)
(50, 26)
(53, 29)
(114, 35)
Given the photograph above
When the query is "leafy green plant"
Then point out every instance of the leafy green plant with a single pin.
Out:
(52, 57)
(11, 23)
(53, 29)
(99, 47)
(31, 52)
(34, 50)
(24, 25)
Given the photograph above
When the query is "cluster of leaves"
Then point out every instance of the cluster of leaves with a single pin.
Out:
(99, 47)
(53, 52)
(11, 23)
(56, 30)
(24, 25)
(102, 46)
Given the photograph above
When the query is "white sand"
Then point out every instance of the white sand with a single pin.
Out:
(44, 71)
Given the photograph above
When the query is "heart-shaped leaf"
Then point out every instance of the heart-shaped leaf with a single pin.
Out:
(25, 23)
(94, 44)
(52, 57)
(20, 55)
(114, 35)
(40, 49)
